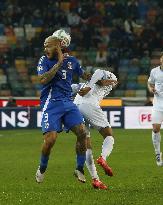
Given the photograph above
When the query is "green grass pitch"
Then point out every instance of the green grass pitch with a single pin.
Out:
(137, 180)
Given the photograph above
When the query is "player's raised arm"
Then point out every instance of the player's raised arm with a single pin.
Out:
(112, 80)
(106, 82)
(102, 79)
(95, 77)
(99, 77)
(52, 46)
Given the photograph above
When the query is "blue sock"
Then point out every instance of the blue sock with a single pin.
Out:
(43, 163)
(80, 162)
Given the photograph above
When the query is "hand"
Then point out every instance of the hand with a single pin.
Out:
(112, 82)
(56, 47)
(84, 91)
(60, 54)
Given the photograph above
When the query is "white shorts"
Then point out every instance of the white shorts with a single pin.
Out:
(94, 116)
(157, 117)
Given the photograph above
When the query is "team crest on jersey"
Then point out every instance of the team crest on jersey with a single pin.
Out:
(69, 65)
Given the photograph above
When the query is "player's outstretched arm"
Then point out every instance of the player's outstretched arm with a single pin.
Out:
(106, 82)
(98, 75)
(49, 75)
(94, 78)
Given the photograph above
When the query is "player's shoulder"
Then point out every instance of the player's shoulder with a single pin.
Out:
(42, 59)
(71, 58)
(155, 69)
(42, 64)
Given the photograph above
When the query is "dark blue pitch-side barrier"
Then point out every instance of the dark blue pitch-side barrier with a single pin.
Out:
(30, 117)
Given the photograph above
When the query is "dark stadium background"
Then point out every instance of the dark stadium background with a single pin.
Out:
(124, 35)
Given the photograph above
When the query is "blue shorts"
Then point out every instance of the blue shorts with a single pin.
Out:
(58, 114)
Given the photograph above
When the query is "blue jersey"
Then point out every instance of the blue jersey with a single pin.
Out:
(59, 88)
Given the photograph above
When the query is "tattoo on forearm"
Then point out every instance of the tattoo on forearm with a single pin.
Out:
(48, 76)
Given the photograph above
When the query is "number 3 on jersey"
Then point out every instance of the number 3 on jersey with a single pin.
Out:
(64, 73)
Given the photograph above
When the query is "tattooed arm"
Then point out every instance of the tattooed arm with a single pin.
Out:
(49, 75)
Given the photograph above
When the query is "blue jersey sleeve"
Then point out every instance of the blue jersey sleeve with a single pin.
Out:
(78, 69)
(42, 66)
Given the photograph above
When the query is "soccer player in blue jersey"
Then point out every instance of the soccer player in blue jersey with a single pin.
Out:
(55, 74)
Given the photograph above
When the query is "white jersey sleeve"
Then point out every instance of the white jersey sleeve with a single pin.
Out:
(151, 78)
(113, 77)
(98, 75)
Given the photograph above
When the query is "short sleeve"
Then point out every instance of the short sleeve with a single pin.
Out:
(42, 67)
(98, 75)
(151, 78)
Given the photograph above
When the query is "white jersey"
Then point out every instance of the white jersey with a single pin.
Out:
(97, 93)
(156, 78)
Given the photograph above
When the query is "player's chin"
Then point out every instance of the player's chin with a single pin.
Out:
(49, 56)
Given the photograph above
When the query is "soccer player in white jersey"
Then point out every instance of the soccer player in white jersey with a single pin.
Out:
(88, 101)
(155, 86)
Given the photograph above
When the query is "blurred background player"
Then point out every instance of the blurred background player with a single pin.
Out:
(155, 86)
(93, 92)
(55, 74)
